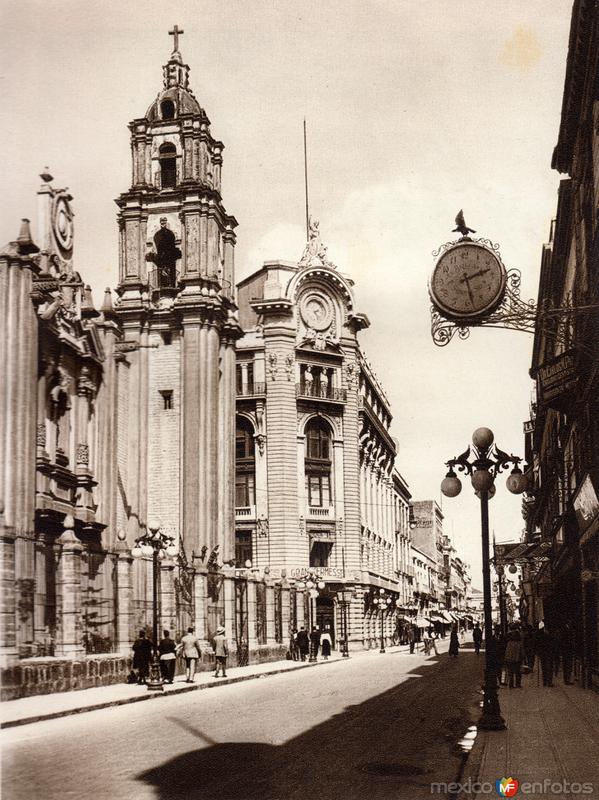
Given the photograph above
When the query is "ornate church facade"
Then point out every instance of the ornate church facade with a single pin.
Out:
(248, 424)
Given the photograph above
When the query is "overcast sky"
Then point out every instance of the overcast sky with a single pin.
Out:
(415, 109)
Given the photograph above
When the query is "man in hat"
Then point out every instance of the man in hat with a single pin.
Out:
(221, 651)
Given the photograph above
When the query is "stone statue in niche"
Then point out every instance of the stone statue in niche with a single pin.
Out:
(166, 255)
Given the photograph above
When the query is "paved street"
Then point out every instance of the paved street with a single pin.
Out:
(376, 726)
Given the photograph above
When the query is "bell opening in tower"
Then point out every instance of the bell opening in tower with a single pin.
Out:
(168, 166)
(167, 109)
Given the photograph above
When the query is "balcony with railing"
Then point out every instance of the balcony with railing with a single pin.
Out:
(321, 512)
(314, 390)
(254, 389)
(245, 513)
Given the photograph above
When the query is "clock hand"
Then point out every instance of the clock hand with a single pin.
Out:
(480, 272)
(466, 280)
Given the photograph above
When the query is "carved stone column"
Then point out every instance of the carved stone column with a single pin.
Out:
(69, 639)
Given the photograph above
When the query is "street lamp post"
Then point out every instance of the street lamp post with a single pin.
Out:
(314, 587)
(344, 600)
(157, 544)
(382, 602)
(483, 461)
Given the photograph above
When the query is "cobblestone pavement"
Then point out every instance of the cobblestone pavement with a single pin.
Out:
(381, 726)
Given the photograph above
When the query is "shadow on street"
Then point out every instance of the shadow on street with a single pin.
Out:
(393, 745)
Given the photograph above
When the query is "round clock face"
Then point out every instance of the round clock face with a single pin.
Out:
(468, 281)
(62, 224)
(316, 311)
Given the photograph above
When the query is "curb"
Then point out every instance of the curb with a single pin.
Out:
(13, 723)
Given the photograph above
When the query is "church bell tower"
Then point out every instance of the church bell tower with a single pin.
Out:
(176, 302)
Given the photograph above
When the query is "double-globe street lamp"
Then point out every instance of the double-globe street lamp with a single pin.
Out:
(483, 461)
(314, 586)
(382, 602)
(157, 544)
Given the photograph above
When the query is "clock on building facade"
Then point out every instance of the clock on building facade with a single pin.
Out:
(468, 282)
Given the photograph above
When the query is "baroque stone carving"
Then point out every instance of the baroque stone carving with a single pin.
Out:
(262, 526)
(315, 253)
(40, 436)
(352, 375)
(289, 364)
(82, 455)
(271, 367)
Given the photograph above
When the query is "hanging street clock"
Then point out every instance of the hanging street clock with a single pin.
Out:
(468, 282)
(470, 287)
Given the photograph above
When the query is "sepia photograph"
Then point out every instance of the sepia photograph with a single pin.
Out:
(299, 409)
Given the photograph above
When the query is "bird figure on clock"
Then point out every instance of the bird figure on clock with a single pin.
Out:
(461, 226)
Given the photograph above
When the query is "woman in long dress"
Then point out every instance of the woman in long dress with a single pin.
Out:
(454, 642)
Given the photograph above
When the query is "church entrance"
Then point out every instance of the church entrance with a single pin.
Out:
(325, 615)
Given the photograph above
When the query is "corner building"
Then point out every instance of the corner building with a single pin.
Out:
(318, 499)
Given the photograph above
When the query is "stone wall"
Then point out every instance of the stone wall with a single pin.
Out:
(47, 675)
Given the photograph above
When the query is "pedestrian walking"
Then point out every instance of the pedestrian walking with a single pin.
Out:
(411, 638)
(293, 648)
(189, 648)
(567, 645)
(221, 651)
(477, 638)
(454, 642)
(303, 643)
(326, 643)
(527, 639)
(545, 650)
(314, 643)
(168, 657)
(514, 655)
(142, 653)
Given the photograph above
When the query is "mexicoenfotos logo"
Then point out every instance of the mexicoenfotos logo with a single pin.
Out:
(506, 787)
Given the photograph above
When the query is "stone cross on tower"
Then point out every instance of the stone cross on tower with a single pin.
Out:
(176, 33)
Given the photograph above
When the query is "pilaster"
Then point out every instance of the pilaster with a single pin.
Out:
(68, 585)
(124, 597)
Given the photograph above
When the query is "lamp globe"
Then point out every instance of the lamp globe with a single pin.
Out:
(482, 480)
(516, 482)
(482, 438)
(451, 485)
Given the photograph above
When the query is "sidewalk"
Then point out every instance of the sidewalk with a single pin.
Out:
(50, 706)
(552, 735)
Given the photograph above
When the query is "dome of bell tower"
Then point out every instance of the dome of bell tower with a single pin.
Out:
(176, 98)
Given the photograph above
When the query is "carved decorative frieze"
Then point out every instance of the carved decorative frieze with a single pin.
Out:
(82, 455)
(40, 435)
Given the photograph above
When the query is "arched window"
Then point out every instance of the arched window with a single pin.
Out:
(168, 166)
(245, 465)
(318, 464)
(167, 109)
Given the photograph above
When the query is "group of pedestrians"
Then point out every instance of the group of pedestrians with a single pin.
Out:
(515, 653)
(188, 649)
(302, 644)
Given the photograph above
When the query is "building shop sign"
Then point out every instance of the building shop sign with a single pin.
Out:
(557, 379)
(586, 504)
(322, 572)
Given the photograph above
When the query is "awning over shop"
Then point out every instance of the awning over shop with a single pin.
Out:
(447, 618)
(522, 552)
(422, 622)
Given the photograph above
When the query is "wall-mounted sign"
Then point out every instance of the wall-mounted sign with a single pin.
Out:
(586, 504)
(321, 572)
